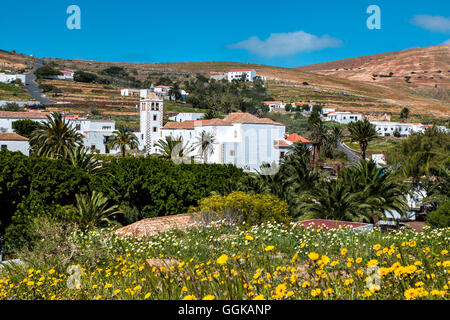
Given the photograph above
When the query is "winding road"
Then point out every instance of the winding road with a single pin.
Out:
(353, 156)
(32, 86)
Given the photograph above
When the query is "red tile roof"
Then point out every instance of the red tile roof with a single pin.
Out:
(236, 117)
(243, 117)
(297, 138)
(331, 224)
(11, 136)
(167, 87)
(23, 115)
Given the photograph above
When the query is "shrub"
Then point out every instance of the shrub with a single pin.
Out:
(440, 218)
(239, 207)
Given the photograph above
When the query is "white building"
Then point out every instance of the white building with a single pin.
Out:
(240, 139)
(385, 128)
(162, 91)
(186, 116)
(95, 132)
(142, 93)
(275, 105)
(8, 78)
(237, 74)
(65, 75)
(14, 142)
(151, 120)
(344, 117)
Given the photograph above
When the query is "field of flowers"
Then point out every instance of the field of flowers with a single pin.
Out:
(269, 261)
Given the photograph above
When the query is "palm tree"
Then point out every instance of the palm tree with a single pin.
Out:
(55, 138)
(93, 210)
(205, 142)
(123, 138)
(375, 186)
(362, 132)
(334, 201)
(81, 158)
(172, 148)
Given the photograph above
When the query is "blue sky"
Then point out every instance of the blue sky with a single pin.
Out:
(281, 33)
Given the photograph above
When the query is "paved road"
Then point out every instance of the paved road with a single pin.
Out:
(32, 86)
(351, 155)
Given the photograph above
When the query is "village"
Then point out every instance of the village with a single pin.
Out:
(229, 160)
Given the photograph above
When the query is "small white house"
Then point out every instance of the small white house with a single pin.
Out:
(13, 142)
(8, 78)
(344, 117)
(187, 116)
(142, 93)
(237, 74)
(275, 105)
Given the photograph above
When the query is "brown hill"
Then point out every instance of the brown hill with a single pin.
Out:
(357, 92)
(288, 84)
(430, 65)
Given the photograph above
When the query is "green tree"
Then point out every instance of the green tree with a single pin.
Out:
(93, 210)
(333, 200)
(123, 139)
(25, 127)
(362, 132)
(81, 158)
(205, 142)
(404, 114)
(55, 138)
(173, 148)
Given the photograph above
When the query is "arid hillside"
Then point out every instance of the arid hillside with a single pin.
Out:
(292, 84)
(430, 65)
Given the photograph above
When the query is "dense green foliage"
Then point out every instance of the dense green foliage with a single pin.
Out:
(46, 71)
(37, 187)
(440, 218)
(25, 127)
(421, 152)
(226, 97)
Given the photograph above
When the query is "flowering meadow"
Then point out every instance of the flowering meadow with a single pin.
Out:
(270, 261)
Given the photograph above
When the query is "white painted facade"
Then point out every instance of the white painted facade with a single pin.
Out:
(344, 117)
(95, 132)
(7, 78)
(385, 128)
(142, 93)
(250, 75)
(240, 139)
(275, 105)
(186, 116)
(13, 144)
(151, 120)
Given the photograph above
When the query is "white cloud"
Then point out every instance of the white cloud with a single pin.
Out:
(286, 44)
(432, 23)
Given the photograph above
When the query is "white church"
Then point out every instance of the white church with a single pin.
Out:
(240, 138)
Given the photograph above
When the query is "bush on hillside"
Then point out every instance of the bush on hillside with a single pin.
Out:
(440, 218)
(239, 207)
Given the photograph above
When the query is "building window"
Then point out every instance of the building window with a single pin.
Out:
(78, 127)
(155, 129)
(106, 128)
(93, 147)
(235, 133)
(232, 153)
(282, 154)
(155, 117)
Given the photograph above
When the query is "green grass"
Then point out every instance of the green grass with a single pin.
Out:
(378, 146)
(11, 92)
